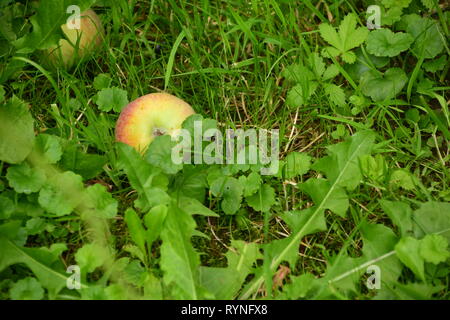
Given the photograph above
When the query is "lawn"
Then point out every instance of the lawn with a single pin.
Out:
(354, 98)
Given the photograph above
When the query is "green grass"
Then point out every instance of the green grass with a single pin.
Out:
(226, 58)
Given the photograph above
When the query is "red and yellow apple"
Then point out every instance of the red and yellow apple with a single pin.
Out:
(78, 43)
(150, 116)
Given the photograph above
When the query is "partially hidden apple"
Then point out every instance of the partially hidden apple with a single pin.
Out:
(78, 43)
(149, 116)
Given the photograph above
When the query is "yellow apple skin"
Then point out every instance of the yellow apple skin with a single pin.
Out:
(149, 116)
(79, 43)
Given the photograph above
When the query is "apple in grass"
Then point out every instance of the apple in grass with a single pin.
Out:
(78, 43)
(150, 116)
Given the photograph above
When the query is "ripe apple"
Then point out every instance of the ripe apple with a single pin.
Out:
(150, 116)
(79, 43)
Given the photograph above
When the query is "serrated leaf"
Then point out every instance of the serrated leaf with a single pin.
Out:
(335, 93)
(61, 195)
(433, 248)
(45, 265)
(342, 170)
(331, 72)
(401, 178)
(385, 43)
(25, 179)
(102, 81)
(224, 283)
(428, 42)
(347, 38)
(179, 260)
(296, 164)
(90, 257)
(16, 131)
(26, 289)
(400, 214)
(49, 147)
(112, 99)
(101, 202)
(262, 200)
(299, 96)
(435, 65)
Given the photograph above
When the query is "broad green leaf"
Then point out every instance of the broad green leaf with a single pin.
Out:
(319, 191)
(428, 41)
(142, 178)
(416, 291)
(154, 221)
(385, 43)
(299, 96)
(7, 207)
(45, 265)
(195, 207)
(385, 86)
(432, 217)
(35, 226)
(49, 147)
(224, 283)
(47, 21)
(262, 200)
(25, 179)
(62, 193)
(296, 164)
(400, 214)
(299, 287)
(379, 242)
(341, 166)
(111, 99)
(297, 73)
(230, 190)
(401, 178)
(85, 164)
(408, 251)
(101, 203)
(159, 154)
(433, 248)
(251, 183)
(90, 257)
(16, 131)
(179, 260)
(102, 81)
(136, 228)
(364, 63)
(26, 289)
(335, 93)
(435, 65)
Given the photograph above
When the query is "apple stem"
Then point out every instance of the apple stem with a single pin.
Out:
(158, 132)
